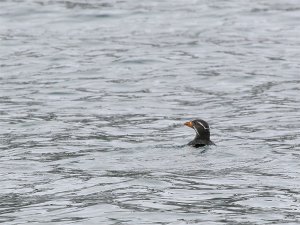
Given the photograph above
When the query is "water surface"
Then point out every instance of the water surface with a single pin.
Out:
(93, 99)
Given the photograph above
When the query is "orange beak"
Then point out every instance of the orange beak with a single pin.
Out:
(189, 124)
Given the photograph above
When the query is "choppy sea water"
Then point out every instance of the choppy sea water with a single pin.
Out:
(94, 94)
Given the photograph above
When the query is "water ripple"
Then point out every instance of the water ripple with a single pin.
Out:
(94, 96)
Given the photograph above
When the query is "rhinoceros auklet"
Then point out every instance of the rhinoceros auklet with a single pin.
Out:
(202, 133)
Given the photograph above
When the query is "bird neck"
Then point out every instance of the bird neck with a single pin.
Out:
(202, 139)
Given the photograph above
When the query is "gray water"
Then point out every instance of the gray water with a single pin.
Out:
(94, 94)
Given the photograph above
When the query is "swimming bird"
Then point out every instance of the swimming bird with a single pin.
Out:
(202, 133)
